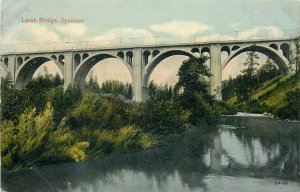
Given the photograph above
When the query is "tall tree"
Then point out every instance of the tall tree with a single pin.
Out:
(267, 71)
(193, 82)
(11, 99)
(193, 75)
(249, 74)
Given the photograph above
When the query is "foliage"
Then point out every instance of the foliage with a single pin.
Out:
(248, 81)
(12, 104)
(292, 108)
(35, 139)
(245, 84)
(117, 88)
(193, 74)
(163, 116)
(195, 98)
(94, 111)
(228, 88)
(267, 71)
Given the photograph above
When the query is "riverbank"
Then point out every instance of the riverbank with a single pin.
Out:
(249, 120)
(224, 160)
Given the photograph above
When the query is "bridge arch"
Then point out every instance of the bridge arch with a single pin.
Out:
(205, 50)
(235, 47)
(84, 56)
(19, 61)
(82, 70)
(25, 72)
(157, 59)
(146, 56)
(225, 49)
(77, 59)
(285, 48)
(274, 46)
(155, 52)
(120, 54)
(279, 59)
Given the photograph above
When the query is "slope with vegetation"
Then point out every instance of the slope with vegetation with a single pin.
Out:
(271, 92)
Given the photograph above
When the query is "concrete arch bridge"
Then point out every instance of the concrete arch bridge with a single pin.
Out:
(140, 61)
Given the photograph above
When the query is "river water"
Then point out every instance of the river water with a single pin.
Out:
(245, 154)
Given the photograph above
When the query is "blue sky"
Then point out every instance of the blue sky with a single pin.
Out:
(219, 16)
(180, 19)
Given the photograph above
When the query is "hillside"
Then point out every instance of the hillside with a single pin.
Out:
(272, 93)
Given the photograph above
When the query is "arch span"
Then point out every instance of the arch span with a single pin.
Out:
(280, 60)
(82, 70)
(156, 60)
(25, 72)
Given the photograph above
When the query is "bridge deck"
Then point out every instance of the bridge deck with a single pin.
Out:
(122, 47)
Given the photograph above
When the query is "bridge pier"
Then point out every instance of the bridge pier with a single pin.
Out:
(137, 75)
(11, 66)
(216, 71)
(68, 69)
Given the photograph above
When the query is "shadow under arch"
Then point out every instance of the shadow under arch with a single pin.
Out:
(82, 70)
(280, 60)
(25, 72)
(157, 59)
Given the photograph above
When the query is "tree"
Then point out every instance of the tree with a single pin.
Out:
(267, 71)
(195, 98)
(228, 88)
(249, 80)
(193, 76)
(57, 80)
(11, 99)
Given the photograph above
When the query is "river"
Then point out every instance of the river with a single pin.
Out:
(245, 154)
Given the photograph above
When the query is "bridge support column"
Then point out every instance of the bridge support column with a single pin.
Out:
(216, 70)
(68, 70)
(137, 75)
(11, 66)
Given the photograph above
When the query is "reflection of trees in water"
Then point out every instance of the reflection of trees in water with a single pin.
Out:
(183, 155)
(285, 164)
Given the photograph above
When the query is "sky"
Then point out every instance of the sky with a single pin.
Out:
(145, 21)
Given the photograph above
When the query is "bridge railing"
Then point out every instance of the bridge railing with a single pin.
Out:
(28, 47)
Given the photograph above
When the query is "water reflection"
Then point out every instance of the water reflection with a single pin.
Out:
(225, 160)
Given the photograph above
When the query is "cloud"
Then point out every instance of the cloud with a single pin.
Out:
(124, 36)
(28, 32)
(29, 36)
(72, 30)
(254, 33)
(261, 32)
(180, 28)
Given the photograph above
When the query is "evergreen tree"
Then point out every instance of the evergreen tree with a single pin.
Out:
(11, 99)
(249, 80)
(267, 71)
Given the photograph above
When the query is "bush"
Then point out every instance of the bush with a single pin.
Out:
(292, 109)
(35, 139)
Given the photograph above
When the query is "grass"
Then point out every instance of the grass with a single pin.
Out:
(272, 92)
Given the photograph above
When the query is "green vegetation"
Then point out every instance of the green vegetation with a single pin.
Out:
(43, 124)
(271, 91)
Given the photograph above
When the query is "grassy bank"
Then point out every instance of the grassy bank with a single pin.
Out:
(273, 96)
